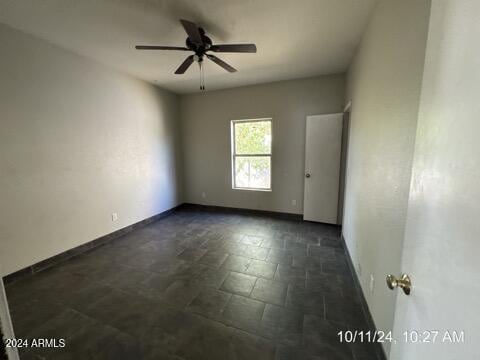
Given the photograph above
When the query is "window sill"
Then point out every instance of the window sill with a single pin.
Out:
(252, 189)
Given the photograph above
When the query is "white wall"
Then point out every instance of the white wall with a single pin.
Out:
(78, 142)
(384, 84)
(206, 139)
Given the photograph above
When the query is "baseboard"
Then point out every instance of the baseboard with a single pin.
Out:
(225, 209)
(56, 259)
(366, 311)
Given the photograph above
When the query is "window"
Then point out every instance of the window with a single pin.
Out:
(252, 154)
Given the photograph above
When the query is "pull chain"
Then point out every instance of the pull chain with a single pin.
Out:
(200, 74)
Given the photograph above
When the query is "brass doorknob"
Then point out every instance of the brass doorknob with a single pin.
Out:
(404, 283)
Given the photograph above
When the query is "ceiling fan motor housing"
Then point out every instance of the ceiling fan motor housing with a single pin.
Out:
(199, 50)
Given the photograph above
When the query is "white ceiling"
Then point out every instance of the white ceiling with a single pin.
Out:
(295, 38)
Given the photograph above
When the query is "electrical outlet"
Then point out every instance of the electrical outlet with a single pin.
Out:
(294, 202)
(114, 217)
(204, 195)
(372, 283)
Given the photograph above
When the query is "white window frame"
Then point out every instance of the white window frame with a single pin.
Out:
(234, 155)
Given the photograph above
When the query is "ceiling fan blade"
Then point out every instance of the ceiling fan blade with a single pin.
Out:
(185, 65)
(155, 47)
(235, 48)
(222, 63)
(192, 31)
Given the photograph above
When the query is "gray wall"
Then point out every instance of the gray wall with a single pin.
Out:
(384, 84)
(206, 139)
(78, 142)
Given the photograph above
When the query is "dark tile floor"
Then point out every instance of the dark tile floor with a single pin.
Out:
(198, 285)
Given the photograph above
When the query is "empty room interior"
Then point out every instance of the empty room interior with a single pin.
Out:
(229, 180)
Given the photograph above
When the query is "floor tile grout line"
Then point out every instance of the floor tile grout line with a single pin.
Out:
(253, 288)
(324, 308)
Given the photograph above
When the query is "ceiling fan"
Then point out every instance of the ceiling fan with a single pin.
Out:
(200, 44)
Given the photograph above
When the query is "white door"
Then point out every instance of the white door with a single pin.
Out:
(323, 148)
(5, 323)
(442, 239)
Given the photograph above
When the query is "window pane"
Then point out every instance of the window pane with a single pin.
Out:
(253, 137)
(252, 172)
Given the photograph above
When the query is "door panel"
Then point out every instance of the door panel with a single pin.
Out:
(442, 238)
(5, 323)
(322, 167)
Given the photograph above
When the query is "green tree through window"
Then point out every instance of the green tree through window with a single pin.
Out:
(251, 154)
